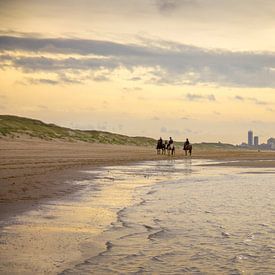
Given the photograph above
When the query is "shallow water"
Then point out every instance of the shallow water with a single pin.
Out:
(165, 217)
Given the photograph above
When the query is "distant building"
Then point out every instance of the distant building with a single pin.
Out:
(271, 143)
(256, 140)
(250, 138)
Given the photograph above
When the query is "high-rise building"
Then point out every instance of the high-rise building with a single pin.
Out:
(256, 140)
(271, 143)
(250, 138)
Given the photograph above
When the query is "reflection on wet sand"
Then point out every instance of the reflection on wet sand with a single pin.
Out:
(165, 217)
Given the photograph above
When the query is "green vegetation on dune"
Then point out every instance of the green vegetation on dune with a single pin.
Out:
(214, 146)
(14, 126)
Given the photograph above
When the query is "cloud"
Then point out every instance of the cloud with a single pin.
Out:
(166, 63)
(187, 131)
(71, 46)
(101, 78)
(42, 107)
(42, 81)
(251, 99)
(219, 10)
(237, 97)
(155, 118)
(170, 6)
(136, 78)
(167, 5)
(130, 89)
(163, 129)
(198, 97)
(170, 132)
(257, 101)
(61, 79)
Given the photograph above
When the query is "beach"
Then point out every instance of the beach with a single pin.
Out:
(35, 169)
(79, 208)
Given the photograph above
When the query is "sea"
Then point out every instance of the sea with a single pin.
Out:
(155, 217)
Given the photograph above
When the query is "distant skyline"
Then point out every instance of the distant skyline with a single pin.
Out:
(202, 69)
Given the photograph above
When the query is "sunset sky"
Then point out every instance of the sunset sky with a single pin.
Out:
(203, 69)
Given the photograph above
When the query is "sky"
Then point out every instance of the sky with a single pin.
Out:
(197, 69)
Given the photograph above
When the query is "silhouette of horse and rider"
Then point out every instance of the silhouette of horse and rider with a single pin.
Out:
(169, 147)
(166, 147)
(187, 147)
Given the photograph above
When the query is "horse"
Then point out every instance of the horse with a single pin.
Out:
(163, 148)
(171, 149)
(187, 148)
(159, 147)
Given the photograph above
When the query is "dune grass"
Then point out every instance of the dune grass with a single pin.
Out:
(15, 126)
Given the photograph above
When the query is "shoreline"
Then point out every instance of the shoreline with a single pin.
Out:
(33, 171)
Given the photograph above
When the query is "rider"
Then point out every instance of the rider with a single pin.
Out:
(170, 141)
(160, 142)
(186, 143)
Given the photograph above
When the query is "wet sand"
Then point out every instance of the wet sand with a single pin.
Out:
(72, 209)
(32, 170)
(155, 217)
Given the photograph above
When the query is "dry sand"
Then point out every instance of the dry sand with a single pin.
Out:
(32, 169)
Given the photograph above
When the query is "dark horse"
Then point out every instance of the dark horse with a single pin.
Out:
(187, 148)
(160, 146)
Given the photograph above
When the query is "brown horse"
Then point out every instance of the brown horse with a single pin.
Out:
(188, 148)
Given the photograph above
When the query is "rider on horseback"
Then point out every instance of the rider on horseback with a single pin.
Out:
(186, 143)
(160, 142)
(170, 147)
(170, 142)
(159, 145)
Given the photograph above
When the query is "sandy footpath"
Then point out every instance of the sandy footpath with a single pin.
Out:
(32, 169)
